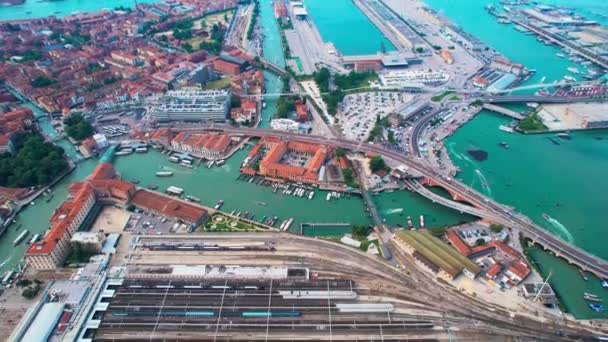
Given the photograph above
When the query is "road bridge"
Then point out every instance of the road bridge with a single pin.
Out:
(587, 54)
(503, 111)
(487, 207)
(538, 99)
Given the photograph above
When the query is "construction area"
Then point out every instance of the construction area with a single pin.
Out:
(574, 116)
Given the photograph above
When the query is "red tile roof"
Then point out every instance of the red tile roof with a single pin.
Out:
(493, 270)
(103, 171)
(520, 269)
(457, 242)
(168, 206)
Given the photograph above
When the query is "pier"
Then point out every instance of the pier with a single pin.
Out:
(323, 225)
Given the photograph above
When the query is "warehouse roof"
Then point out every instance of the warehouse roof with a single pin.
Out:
(439, 253)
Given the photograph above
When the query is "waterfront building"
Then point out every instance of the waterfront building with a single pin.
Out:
(555, 18)
(245, 113)
(506, 66)
(289, 160)
(206, 145)
(78, 212)
(193, 104)
(501, 255)
(170, 207)
(285, 125)
(409, 78)
(52, 250)
(16, 121)
(161, 137)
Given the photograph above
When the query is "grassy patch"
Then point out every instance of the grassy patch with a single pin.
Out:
(440, 97)
(531, 124)
(223, 223)
(219, 84)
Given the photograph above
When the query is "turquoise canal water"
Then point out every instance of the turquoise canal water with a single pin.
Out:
(566, 181)
(210, 185)
(272, 50)
(342, 23)
(39, 8)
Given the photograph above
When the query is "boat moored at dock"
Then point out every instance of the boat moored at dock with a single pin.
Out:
(20, 238)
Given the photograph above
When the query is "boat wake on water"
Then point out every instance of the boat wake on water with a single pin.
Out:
(175, 170)
(452, 152)
(393, 211)
(6, 261)
(561, 229)
(484, 182)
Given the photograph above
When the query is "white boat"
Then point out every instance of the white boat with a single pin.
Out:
(560, 55)
(175, 190)
(174, 159)
(573, 70)
(286, 224)
(311, 194)
(421, 221)
(141, 150)
(569, 78)
(532, 104)
(34, 238)
(8, 276)
(20, 237)
(328, 197)
(220, 162)
(124, 152)
(164, 174)
(505, 128)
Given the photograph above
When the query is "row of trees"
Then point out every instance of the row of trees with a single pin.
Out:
(286, 105)
(36, 163)
(343, 83)
(77, 127)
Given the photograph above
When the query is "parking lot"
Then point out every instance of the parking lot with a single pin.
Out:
(470, 233)
(359, 112)
(148, 223)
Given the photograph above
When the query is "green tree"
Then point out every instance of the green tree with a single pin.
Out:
(376, 163)
(496, 228)
(42, 81)
(360, 232)
(340, 152)
(77, 127)
(35, 163)
(480, 242)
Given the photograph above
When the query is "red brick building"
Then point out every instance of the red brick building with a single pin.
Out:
(271, 165)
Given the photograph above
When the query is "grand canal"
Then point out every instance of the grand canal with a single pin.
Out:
(566, 182)
(210, 185)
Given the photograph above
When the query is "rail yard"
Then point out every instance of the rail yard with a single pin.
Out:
(301, 288)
